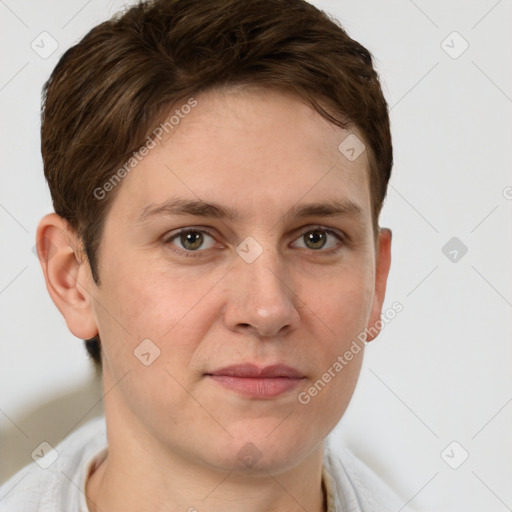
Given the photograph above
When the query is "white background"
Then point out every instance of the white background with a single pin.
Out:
(441, 371)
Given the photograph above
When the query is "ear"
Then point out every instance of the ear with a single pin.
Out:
(383, 262)
(67, 274)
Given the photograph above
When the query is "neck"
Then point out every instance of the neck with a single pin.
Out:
(132, 479)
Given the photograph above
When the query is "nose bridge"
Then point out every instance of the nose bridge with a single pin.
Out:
(260, 295)
(267, 277)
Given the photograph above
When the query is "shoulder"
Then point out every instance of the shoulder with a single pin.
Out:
(354, 486)
(53, 481)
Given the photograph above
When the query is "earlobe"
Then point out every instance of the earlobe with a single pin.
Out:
(66, 274)
(383, 263)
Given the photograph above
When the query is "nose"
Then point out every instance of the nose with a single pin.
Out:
(261, 297)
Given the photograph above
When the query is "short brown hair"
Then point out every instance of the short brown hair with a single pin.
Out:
(110, 90)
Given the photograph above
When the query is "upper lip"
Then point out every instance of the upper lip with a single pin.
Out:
(252, 370)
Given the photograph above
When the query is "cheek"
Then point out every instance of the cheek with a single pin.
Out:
(145, 300)
(339, 314)
(341, 302)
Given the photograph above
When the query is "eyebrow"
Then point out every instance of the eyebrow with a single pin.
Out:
(178, 206)
(329, 208)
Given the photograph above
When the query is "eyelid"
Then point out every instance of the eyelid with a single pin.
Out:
(314, 227)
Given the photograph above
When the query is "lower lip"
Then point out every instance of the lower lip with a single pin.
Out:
(257, 387)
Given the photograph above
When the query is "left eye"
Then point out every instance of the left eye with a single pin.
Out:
(319, 239)
(192, 240)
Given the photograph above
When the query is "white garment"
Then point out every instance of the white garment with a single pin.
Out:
(350, 485)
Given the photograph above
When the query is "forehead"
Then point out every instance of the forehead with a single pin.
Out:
(255, 151)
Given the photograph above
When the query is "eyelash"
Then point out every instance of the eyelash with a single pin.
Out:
(168, 239)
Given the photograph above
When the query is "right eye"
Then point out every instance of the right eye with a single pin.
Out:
(189, 240)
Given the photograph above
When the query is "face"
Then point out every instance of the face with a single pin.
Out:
(279, 269)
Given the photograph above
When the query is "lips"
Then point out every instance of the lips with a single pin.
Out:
(252, 381)
(252, 371)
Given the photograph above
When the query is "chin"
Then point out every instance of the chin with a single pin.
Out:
(261, 454)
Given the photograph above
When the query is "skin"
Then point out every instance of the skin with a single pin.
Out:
(174, 435)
